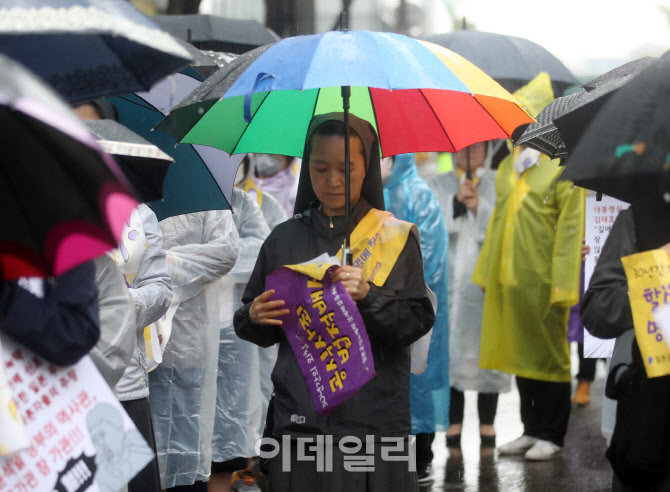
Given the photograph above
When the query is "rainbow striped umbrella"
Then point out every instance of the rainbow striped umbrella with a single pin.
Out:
(419, 96)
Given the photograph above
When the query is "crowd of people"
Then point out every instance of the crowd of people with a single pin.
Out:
(489, 264)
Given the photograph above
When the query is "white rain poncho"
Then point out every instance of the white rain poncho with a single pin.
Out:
(117, 322)
(240, 400)
(273, 212)
(283, 186)
(466, 300)
(201, 248)
(142, 260)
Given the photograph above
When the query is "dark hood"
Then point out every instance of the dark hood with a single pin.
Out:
(372, 183)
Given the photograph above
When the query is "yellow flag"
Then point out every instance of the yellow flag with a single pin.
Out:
(648, 276)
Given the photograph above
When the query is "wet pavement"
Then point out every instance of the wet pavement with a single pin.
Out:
(582, 467)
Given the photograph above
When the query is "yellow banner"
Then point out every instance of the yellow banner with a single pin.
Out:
(311, 270)
(648, 276)
(376, 242)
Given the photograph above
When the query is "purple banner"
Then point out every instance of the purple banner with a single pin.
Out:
(327, 335)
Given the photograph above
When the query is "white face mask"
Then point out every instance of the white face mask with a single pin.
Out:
(386, 168)
(267, 165)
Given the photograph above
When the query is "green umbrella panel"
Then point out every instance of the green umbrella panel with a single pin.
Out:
(278, 126)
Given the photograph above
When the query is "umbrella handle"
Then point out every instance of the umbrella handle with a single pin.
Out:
(346, 93)
(347, 255)
(344, 21)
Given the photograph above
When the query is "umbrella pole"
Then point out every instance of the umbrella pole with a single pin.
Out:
(347, 254)
(468, 171)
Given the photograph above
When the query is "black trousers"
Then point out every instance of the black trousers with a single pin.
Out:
(487, 406)
(195, 487)
(148, 479)
(545, 409)
(424, 451)
(587, 367)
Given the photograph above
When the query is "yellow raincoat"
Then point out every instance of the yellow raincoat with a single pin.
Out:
(529, 265)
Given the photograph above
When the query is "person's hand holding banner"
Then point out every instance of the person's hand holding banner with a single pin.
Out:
(323, 326)
(264, 311)
(353, 281)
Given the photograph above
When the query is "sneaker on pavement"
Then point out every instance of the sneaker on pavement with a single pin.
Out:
(244, 481)
(424, 476)
(543, 450)
(518, 446)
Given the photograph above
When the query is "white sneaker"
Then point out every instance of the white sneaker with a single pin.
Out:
(543, 450)
(518, 446)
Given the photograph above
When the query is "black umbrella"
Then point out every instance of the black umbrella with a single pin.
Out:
(202, 63)
(88, 48)
(625, 150)
(222, 59)
(143, 163)
(62, 199)
(559, 126)
(202, 177)
(211, 32)
(511, 61)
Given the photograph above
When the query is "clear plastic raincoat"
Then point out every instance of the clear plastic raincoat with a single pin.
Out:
(283, 186)
(273, 212)
(408, 198)
(529, 265)
(239, 399)
(117, 322)
(200, 248)
(150, 290)
(466, 300)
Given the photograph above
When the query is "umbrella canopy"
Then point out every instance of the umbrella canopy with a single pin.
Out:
(418, 96)
(143, 163)
(221, 58)
(201, 178)
(211, 32)
(562, 122)
(63, 200)
(202, 62)
(511, 61)
(88, 48)
(624, 152)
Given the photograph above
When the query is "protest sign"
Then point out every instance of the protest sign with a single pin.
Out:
(648, 275)
(80, 437)
(600, 216)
